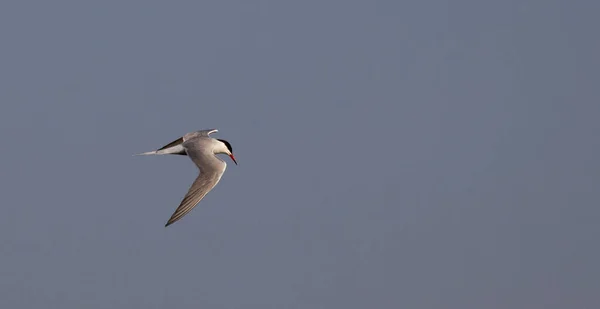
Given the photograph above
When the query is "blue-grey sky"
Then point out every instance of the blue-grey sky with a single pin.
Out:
(392, 154)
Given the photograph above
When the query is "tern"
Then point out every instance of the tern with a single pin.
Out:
(202, 150)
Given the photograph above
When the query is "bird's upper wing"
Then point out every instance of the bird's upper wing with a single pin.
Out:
(201, 133)
(171, 144)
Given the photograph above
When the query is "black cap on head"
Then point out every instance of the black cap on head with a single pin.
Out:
(227, 144)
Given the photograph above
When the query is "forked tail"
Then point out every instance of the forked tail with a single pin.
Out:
(146, 153)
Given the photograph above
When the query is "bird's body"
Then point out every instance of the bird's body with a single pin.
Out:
(202, 150)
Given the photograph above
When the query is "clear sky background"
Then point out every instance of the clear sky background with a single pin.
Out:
(392, 154)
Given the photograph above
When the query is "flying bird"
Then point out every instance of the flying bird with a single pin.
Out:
(202, 150)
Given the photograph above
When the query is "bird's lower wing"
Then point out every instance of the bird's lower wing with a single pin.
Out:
(201, 186)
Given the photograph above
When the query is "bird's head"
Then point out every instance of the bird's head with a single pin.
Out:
(226, 149)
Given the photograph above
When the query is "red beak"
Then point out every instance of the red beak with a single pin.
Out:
(233, 158)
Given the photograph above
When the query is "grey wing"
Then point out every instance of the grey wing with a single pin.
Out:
(201, 186)
(201, 133)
